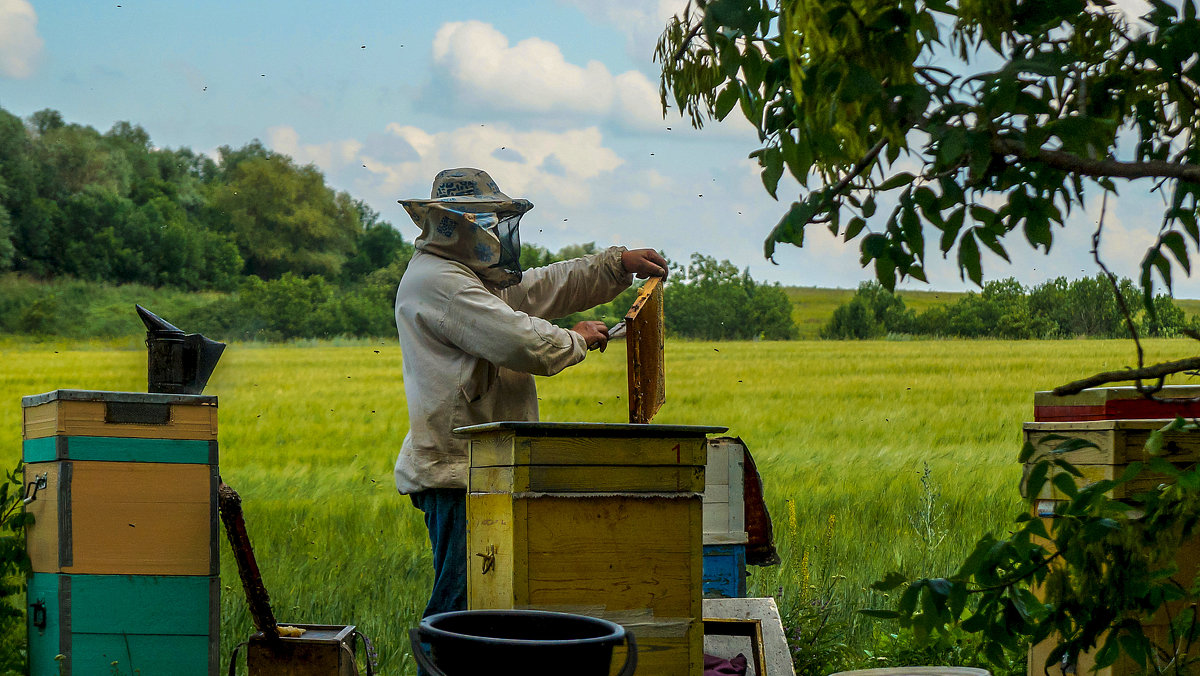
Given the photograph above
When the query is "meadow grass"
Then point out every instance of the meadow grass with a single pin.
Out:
(841, 433)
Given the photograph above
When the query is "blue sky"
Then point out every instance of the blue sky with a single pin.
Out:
(557, 99)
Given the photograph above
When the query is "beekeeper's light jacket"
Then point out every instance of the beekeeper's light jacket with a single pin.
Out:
(469, 351)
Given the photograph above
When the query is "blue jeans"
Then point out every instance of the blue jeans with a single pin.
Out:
(446, 518)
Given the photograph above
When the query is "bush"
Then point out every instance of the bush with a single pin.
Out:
(1006, 309)
(14, 568)
(711, 300)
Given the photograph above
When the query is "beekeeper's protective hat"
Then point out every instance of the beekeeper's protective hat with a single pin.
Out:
(468, 219)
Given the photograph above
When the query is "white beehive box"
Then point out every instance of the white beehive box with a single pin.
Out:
(724, 486)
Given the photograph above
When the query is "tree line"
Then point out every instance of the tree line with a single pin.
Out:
(287, 255)
(1006, 309)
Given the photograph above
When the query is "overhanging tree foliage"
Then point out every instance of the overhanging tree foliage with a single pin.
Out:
(976, 118)
(964, 121)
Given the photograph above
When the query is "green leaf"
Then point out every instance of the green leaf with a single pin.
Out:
(950, 229)
(1037, 229)
(1108, 652)
(1068, 468)
(975, 623)
(951, 146)
(790, 228)
(1069, 444)
(1154, 443)
(797, 155)
(772, 164)
(889, 582)
(1065, 484)
(958, 600)
(1037, 527)
(968, 258)
(1134, 469)
(880, 614)
(855, 226)
(1178, 248)
(726, 100)
(895, 181)
(908, 600)
(1154, 259)
(1157, 464)
(734, 14)
(940, 586)
(1036, 479)
(858, 84)
(868, 207)
(994, 652)
(1027, 451)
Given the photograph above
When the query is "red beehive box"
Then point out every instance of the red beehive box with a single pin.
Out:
(1117, 403)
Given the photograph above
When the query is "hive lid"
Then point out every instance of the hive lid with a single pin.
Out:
(1095, 396)
(117, 397)
(590, 429)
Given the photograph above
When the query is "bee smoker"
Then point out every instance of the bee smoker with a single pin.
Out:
(177, 363)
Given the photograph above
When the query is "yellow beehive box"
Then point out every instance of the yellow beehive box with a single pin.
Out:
(598, 519)
(87, 413)
(1117, 444)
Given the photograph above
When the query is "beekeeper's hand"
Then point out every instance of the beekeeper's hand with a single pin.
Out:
(644, 263)
(595, 334)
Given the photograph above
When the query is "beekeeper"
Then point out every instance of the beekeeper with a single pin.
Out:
(474, 331)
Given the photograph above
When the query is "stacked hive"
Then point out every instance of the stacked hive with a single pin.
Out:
(725, 535)
(1118, 420)
(598, 519)
(123, 546)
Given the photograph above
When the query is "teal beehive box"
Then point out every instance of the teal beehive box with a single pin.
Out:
(124, 541)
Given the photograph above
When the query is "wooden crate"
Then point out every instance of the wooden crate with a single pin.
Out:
(1119, 442)
(128, 624)
(125, 525)
(1116, 403)
(618, 535)
(323, 650)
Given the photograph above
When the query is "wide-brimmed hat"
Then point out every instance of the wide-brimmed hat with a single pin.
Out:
(468, 219)
(466, 189)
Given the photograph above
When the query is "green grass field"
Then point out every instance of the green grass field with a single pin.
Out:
(840, 431)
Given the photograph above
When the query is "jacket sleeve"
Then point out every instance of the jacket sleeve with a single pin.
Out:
(559, 289)
(483, 325)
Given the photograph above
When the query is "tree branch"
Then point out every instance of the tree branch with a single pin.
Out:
(687, 41)
(1087, 167)
(859, 167)
(1155, 371)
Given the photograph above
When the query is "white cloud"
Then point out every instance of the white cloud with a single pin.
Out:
(560, 165)
(20, 44)
(334, 154)
(533, 76)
